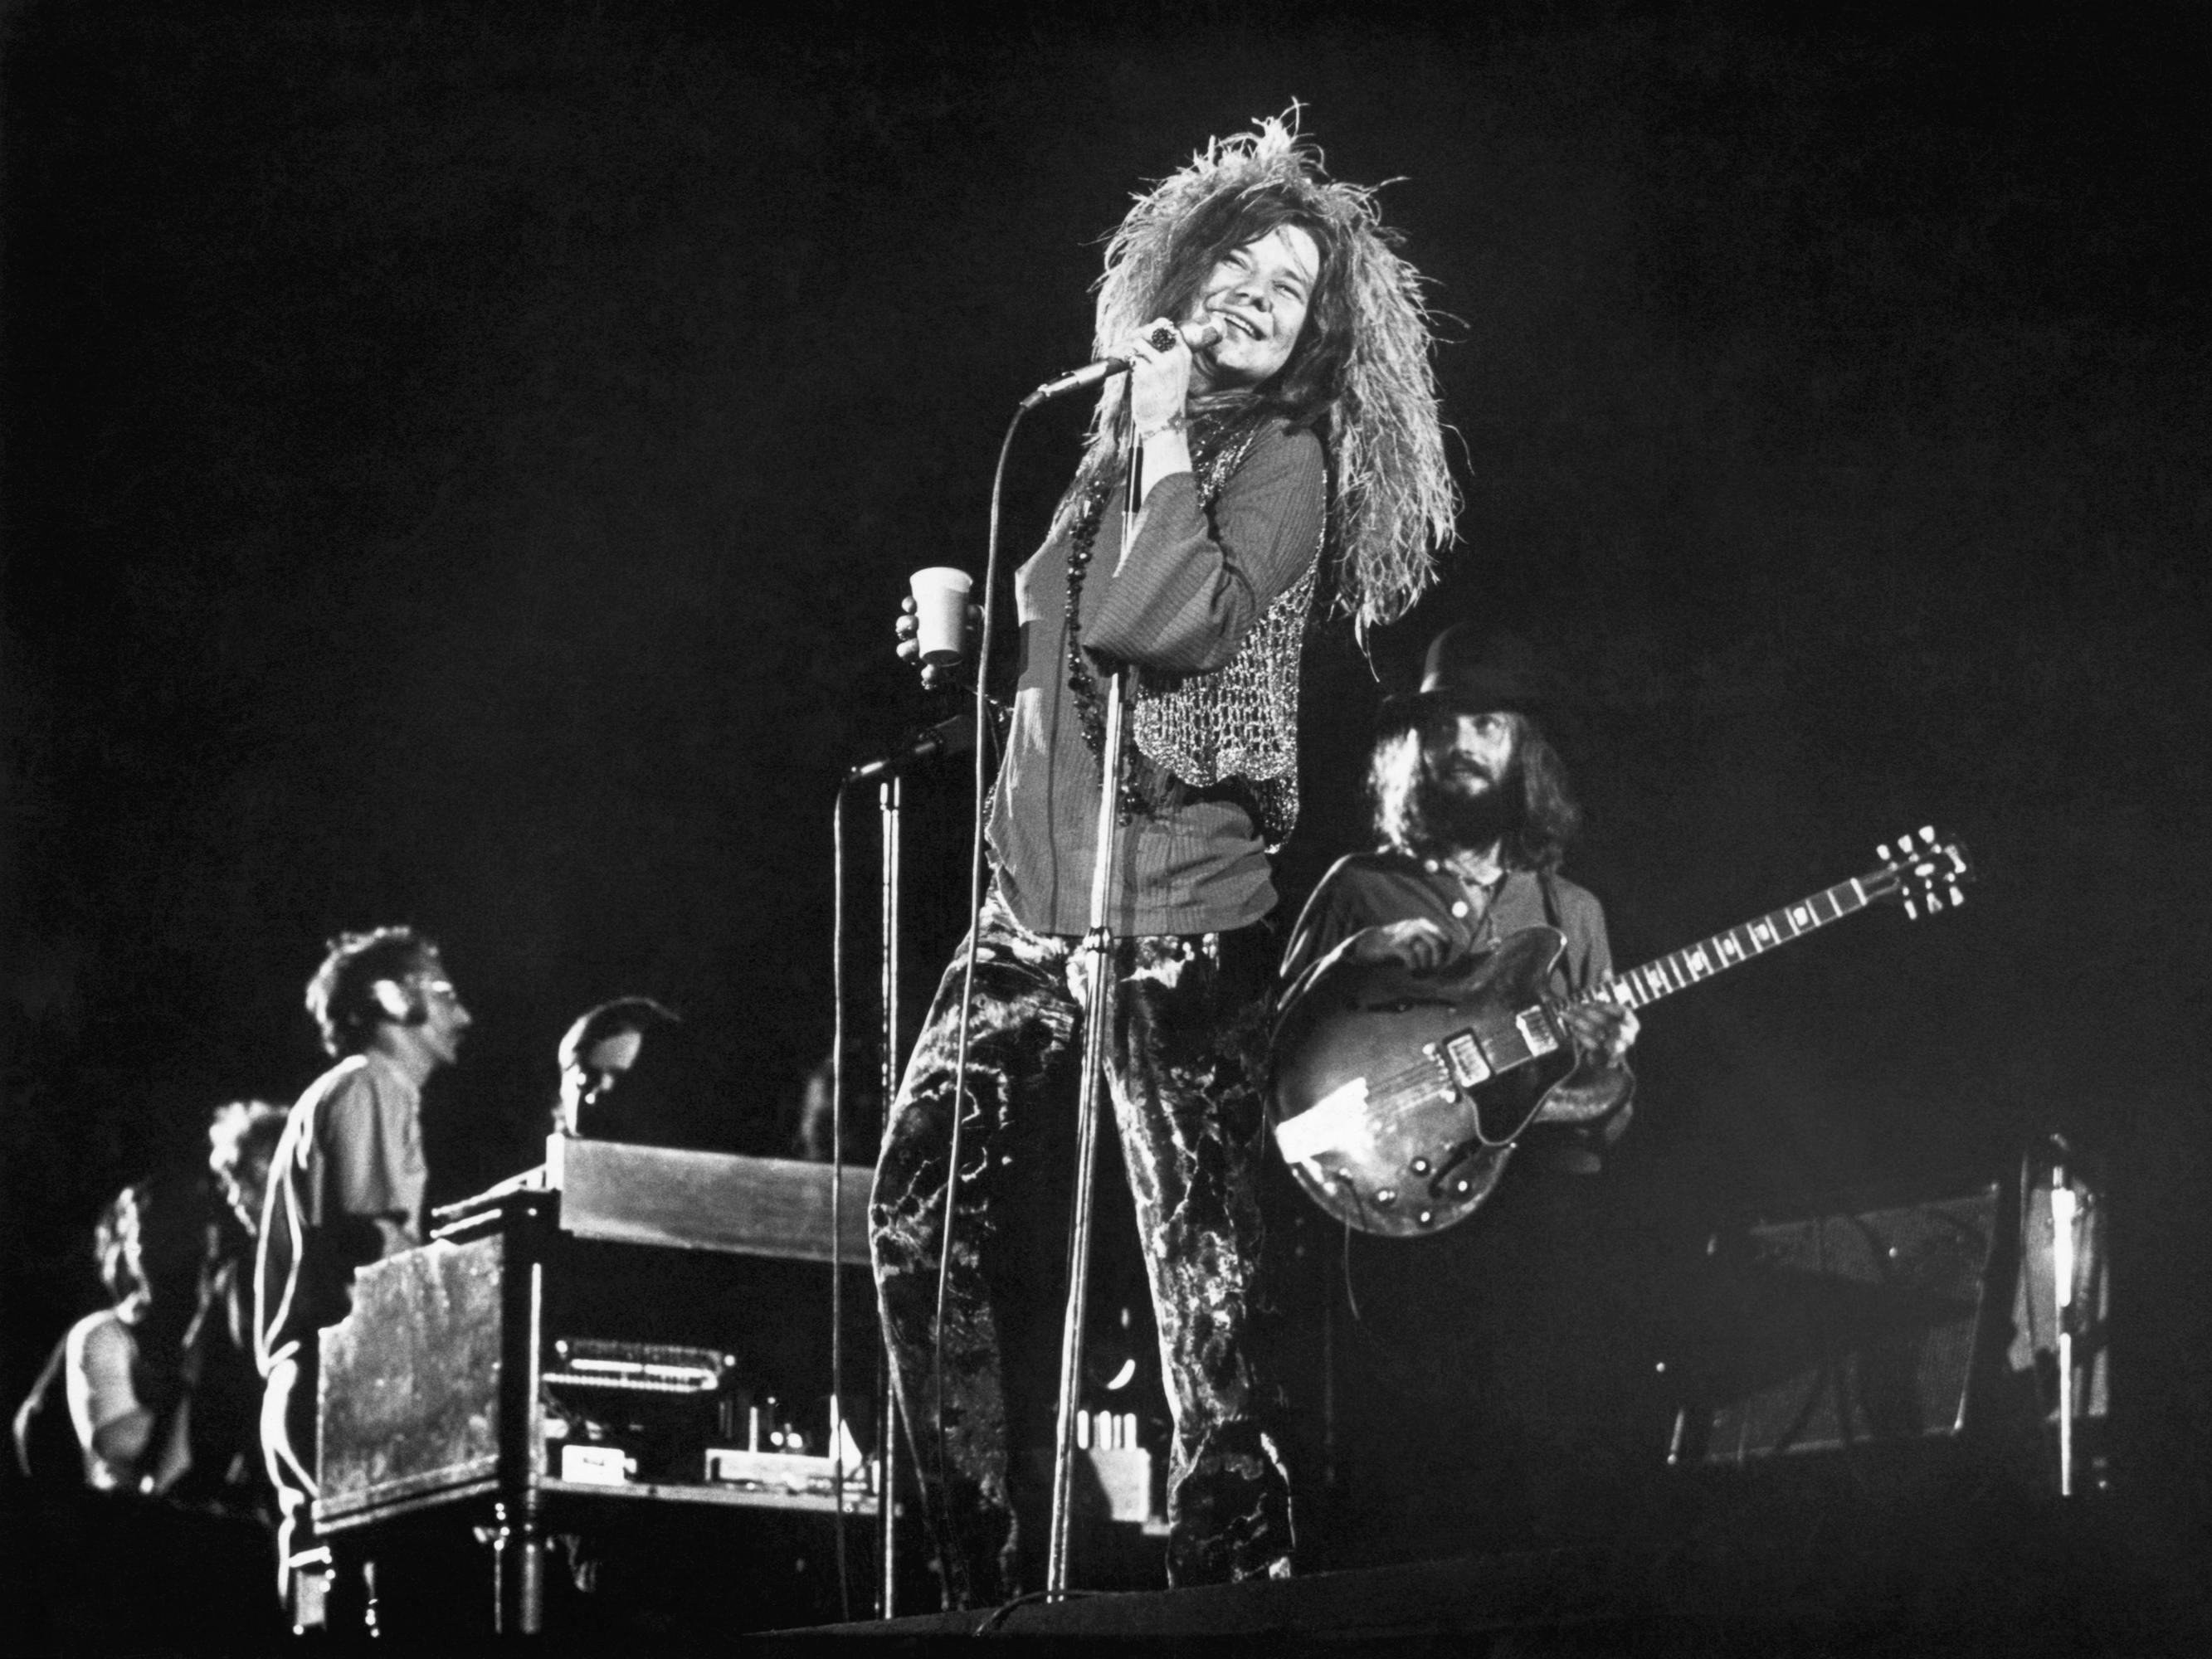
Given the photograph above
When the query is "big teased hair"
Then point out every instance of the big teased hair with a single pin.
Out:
(1546, 820)
(1360, 375)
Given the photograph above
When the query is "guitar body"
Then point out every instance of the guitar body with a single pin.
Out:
(1398, 1095)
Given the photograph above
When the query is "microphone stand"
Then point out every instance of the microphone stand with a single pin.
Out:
(2063, 1210)
(1098, 951)
(887, 797)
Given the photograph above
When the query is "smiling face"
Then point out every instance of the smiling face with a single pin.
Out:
(1258, 293)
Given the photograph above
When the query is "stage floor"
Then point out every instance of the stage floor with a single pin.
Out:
(2010, 1577)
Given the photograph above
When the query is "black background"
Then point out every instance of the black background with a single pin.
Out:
(462, 463)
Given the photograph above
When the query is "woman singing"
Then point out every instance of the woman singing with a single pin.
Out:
(1297, 445)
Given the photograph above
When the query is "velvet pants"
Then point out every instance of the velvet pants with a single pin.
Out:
(1185, 1048)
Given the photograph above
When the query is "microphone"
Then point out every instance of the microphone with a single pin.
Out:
(954, 737)
(1196, 335)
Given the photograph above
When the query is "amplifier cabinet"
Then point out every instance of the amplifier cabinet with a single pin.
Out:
(1843, 1329)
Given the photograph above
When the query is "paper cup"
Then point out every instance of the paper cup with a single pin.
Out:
(940, 613)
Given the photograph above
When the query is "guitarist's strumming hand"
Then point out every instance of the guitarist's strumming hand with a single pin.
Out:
(1417, 943)
(1602, 1031)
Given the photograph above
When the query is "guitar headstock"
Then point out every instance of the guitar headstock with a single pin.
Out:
(1925, 872)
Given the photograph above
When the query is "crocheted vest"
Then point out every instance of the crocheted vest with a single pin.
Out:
(1237, 723)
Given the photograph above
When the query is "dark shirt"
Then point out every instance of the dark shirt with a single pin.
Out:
(1190, 587)
(1367, 889)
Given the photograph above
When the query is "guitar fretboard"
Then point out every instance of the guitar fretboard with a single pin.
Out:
(1664, 975)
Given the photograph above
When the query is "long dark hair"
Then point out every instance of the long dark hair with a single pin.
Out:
(164, 1222)
(1546, 816)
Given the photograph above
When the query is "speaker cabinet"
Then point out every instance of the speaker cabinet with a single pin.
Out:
(1841, 1330)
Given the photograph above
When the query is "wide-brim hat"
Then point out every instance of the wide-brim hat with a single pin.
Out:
(1473, 670)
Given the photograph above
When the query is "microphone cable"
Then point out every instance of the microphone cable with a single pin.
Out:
(837, 1205)
(982, 746)
(982, 794)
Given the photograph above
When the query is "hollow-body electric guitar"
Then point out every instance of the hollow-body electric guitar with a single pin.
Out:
(1398, 1095)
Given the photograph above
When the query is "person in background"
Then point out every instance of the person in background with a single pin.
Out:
(149, 1537)
(607, 1091)
(242, 1141)
(229, 1471)
(811, 1127)
(346, 1184)
(1474, 814)
(129, 1369)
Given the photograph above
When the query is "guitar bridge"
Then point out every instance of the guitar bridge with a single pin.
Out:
(1462, 1058)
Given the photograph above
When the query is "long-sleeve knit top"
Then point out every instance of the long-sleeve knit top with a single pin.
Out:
(1182, 596)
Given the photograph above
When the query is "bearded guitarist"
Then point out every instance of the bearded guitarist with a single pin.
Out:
(1472, 813)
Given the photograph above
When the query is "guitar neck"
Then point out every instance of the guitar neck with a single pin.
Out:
(1639, 987)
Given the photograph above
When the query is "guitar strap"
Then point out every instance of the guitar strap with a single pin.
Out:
(1551, 901)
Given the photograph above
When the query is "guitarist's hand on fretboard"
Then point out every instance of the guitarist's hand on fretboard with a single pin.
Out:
(1602, 1031)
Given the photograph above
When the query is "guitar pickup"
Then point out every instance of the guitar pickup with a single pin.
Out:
(1463, 1058)
(1537, 1034)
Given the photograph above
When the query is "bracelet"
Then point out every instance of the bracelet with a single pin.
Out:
(1174, 423)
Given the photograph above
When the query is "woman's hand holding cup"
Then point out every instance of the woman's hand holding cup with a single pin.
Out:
(936, 627)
